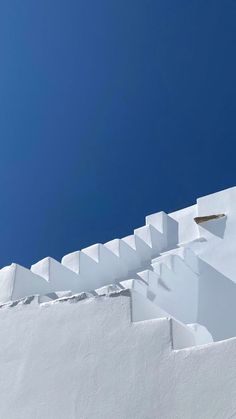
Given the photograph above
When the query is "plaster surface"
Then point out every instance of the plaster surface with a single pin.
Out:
(140, 327)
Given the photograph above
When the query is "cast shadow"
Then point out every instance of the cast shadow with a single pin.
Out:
(216, 227)
(217, 302)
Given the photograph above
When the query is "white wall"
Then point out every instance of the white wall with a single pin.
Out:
(121, 356)
(85, 359)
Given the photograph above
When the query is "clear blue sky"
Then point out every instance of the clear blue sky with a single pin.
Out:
(110, 110)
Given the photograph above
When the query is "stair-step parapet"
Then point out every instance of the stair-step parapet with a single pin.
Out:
(17, 282)
(58, 276)
(126, 253)
(167, 226)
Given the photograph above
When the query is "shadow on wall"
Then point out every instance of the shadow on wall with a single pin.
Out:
(172, 231)
(216, 227)
(217, 302)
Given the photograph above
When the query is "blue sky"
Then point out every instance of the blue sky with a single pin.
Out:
(109, 111)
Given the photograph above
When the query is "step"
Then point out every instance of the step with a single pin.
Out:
(152, 237)
(178, 293)
(97, 264)
(142, 249)
(58, 276)
(167, 226)
(110, 265)
(18, 282)
(127, 255)
(185, 253)
(151, 278)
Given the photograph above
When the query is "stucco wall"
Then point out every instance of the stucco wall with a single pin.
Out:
(87, 360)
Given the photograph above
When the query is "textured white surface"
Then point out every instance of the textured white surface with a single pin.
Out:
(139, 344)
(86, 359)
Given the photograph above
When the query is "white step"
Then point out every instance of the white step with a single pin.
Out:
(127, 255)
(97, 264)
(184, 252)
(142, 249)
(152, 237)
(58, 276)
(151, 278)
(17, 282)
(135, 284)
(178, 292)
(183, 335)
(167, 226)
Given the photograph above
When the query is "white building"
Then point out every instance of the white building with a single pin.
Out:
(142, 327)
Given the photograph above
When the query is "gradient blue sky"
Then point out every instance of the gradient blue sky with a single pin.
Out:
(110, 110)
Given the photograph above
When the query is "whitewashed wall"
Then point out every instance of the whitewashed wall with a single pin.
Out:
(143, 351)
(87, 360)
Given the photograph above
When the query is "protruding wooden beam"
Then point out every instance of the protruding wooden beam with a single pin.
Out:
(203, 219)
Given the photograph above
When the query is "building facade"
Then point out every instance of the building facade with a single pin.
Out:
(142, 327)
